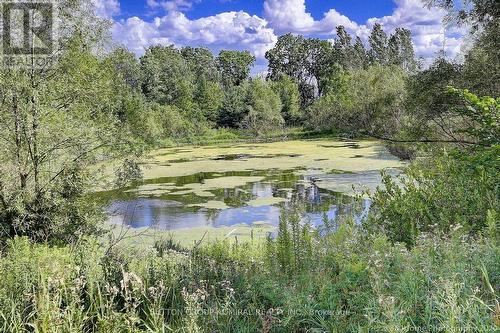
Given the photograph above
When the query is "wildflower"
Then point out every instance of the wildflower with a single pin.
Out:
(111, 290)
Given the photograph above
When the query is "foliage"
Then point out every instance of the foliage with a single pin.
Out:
(209, 98)
(482, 117)
(289, 94)
(366, 101)
(342, 281)
(378, 93)
(428, 104)
(56, 122)
(234, 108)
(379, 45)
(401, 51)
(344, 49)
(426, 260)
(288, 57)
(439, 195)
(166, 78)
(127, 66)
(264, 107)
(234, 66)
(201, 63)
(475, 12)
(481, 72)
(330, 112)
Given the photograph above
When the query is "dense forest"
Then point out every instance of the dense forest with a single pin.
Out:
(426, 260)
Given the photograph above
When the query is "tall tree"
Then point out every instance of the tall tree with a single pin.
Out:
(428, 104)
(56, 120)
(288, 91)
(307, 61)
(379, 45)
(233, 108)
(234, 66)
(166, 77)
(360, 56)
(263, 109)
(208, 96)
(127, 65)
(319, 62)
(344, 50)
(482, 63)
(400, 50)
(479, 13)
(201, 62)
(287, 57)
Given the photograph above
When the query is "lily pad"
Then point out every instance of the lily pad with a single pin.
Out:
(266, 201)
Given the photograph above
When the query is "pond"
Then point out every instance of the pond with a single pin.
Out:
(250, 184)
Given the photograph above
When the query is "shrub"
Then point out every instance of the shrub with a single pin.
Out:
(438, 195)
(264, 109)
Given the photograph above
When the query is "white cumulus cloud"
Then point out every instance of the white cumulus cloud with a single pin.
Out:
(240, 30)
(232, 30)
(429, 34)
(291, 16)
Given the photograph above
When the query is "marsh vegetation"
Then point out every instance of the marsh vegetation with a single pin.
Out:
(249, 186)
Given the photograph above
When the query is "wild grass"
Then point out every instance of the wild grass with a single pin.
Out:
(336, 279)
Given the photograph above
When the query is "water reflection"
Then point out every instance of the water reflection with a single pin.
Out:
(245, 204)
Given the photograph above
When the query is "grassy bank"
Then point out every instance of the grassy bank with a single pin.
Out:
(227, 135)
(343, 281)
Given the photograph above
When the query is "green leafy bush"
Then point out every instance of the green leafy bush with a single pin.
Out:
(439, 195)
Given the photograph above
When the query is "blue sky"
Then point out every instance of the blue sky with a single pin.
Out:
(255, 25)
(358, 10)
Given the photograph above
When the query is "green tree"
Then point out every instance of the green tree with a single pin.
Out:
(379, 45)
(378, 95)
(127, 66)
(481, 117)
(333, 110)
(209, 97)
(320, 58)
(400, 50)
(307, 61)
(336, 81)
(201, 62)
(56, 121)
(287, 57)
(166, 77)
(360, 56)
(344, 50)
(427, 104)
(481, 73)
(483, 19)
(288, 91)
(234, 107)
(264, 107)
(479, 13)
(234, 67)
(365, 101)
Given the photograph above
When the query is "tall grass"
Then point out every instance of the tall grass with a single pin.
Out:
(304, 280)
